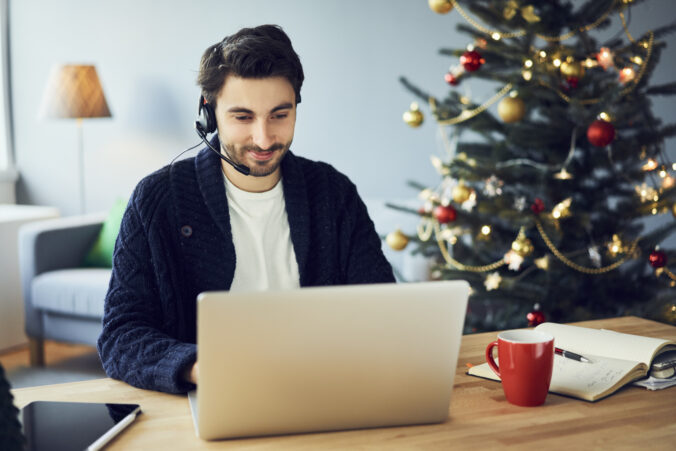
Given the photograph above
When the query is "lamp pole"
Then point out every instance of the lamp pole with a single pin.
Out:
(80, 148)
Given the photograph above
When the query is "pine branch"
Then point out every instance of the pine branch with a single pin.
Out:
(667, 131)
(665, 30)
(402, 208)
(415, 90)
(667, 89)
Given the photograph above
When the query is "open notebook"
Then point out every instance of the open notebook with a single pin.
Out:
(616, 360)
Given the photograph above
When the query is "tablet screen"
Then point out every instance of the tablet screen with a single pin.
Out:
(58, 426)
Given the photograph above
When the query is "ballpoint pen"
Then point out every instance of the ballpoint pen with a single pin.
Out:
(571, 355)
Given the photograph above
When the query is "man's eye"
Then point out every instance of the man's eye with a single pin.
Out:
(281, 116)
(242, 118)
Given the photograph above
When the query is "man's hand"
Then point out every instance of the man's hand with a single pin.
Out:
(191, 374)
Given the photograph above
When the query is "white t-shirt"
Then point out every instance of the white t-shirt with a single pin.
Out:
(265, 259)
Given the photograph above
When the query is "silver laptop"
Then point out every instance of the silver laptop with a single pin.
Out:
(326, 358)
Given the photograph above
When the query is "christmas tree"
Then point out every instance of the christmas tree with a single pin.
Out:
(542, 207)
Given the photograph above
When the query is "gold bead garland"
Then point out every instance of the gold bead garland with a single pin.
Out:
(517, 34)
(566, 261)
(455, 263)
(634, 82)
(666, 271)
(469, 114)
(430, 226)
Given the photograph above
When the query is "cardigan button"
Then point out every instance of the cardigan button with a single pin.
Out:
(186, 231)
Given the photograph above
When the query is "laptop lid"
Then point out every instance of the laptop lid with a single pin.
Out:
(327, 358)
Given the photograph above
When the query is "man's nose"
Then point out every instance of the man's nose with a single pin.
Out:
(263, 136)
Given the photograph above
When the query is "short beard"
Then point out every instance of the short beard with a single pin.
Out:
(260, 169)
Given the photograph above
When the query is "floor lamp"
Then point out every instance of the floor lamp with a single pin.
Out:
(74, 92)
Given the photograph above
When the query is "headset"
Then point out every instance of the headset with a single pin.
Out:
(205, 124)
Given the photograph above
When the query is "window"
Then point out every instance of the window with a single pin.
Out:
(6, 160)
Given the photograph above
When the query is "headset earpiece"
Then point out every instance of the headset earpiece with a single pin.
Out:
(206, 117)
(205, 124)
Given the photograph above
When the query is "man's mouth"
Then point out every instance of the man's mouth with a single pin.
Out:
(261, 156)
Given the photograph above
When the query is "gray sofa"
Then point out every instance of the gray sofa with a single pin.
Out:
(63, 301)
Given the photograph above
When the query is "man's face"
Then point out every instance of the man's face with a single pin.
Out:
(256, 119)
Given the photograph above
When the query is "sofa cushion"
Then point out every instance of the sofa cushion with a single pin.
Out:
(72, 291)
(101, 253)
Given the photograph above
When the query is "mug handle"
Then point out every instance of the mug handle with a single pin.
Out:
(489, 358)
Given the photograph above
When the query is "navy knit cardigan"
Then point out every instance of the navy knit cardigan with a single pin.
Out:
(175, 242)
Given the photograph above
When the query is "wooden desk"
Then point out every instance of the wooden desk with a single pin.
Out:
(480, 417)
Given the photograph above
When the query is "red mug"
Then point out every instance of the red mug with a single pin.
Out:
(526, 360)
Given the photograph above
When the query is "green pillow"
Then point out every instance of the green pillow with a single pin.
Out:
(101, 253)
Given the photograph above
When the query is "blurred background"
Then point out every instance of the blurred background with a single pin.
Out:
(147, 54)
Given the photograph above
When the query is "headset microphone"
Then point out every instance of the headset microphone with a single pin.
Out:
(206, 123)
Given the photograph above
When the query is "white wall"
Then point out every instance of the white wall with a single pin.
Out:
(147, 54)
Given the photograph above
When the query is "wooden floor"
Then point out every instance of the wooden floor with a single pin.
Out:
(54, 352)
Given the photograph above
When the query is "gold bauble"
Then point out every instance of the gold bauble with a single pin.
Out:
(440, 6)
(461, 193)
(396, 240)
(522, 245)
(413, 117)
(511, 109)
(571, 68)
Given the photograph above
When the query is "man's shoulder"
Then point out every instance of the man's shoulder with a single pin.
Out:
(314, 170)
(155, 189)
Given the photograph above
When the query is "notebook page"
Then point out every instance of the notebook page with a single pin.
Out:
(595, 379)
(607, 343)
(588, 381)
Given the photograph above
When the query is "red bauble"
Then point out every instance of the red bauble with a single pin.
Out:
(536, 317)
(451, 79)
(471, 60)
(538, 206)
(572, 82)
(445, 214)
(600, 133)
(657, 259)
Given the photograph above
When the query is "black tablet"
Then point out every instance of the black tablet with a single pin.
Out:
(65, 426)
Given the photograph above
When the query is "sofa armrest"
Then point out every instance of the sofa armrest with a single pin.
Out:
(49, 245)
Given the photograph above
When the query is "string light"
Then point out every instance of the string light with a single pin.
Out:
(627, 74)
(562, 209)
(589, 63)
(563, 175)
(615, 247)
(528, 76)
(650, 165)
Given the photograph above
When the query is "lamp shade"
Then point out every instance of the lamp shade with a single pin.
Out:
(74, 91)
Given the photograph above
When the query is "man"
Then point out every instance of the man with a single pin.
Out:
(202, 224)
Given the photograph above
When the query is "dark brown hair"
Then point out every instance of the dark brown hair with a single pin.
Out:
(260, 52)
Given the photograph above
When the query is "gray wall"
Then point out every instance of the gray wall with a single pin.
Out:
(147, 53)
